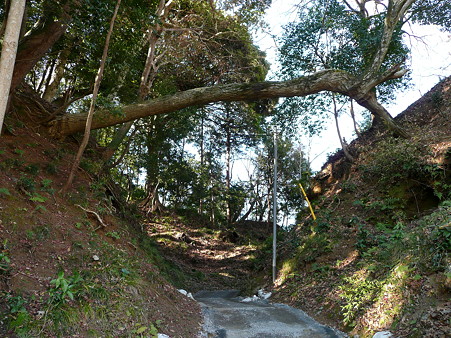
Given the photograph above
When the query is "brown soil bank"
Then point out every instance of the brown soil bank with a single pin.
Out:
(378, 256)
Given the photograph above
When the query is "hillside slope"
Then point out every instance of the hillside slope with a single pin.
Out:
(378, 256)
(77, 264)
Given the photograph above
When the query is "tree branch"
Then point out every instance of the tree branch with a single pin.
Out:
(332, 80)
(94, 213)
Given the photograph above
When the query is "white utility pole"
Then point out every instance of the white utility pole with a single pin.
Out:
(274, 236)
(9, 50)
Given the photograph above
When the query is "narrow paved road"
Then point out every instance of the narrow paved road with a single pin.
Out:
(226, 316)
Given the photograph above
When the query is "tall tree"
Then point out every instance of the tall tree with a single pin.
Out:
(8, 56)
(333, 34)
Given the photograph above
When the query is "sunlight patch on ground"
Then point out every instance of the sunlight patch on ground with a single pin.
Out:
(390, 302)
(353, 255)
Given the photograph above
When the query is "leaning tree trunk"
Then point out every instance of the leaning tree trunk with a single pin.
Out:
(148, 76)
(98, 80)
(9, 51)
(326, 80)
(361, 88)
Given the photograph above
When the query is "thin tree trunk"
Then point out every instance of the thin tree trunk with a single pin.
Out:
(228, 164)
(9, 51)
(201, 198)
(46, 75)
(52, 88)
(93, 100)
(116, 141)
(351, 110)
(151, 67)
(124, 152)
(249, 211)
(342, 141)
(147, 78)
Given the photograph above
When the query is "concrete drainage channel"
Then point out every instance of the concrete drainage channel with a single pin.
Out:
(226, 315)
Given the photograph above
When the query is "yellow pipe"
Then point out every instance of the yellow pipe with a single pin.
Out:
(308, 202)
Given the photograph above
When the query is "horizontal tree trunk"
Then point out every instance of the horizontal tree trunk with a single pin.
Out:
(327, 80)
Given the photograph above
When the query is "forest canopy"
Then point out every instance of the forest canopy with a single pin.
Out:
(186, 73)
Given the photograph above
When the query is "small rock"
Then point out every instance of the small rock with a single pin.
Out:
(383, 334)
(249, 299)
(183, 292)
(162, 335)
(263, 295)
(95, 258)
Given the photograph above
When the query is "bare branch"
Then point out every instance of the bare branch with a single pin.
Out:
(94, 213)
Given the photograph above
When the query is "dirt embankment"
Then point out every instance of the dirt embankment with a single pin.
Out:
(378, 257)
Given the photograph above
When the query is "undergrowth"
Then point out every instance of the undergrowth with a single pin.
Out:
(375, 289)
(90, 302)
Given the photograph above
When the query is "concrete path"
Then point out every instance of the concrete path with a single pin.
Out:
(226, 316)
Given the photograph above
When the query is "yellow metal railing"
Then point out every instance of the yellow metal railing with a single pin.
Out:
(308, 202)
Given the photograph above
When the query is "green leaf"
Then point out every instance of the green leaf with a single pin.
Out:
(141, 329)
(64, 285)
(38, 198)
(5, 191)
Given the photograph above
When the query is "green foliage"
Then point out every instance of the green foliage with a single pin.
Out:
(398, 165)
(51, 168)
(35, 197)
(40, 208)
(396, 160)
(46, 184)
(357, 293)
(312, 247)
(4, 263)
(18, 317)
(432, 12)
(145, 330)
(113, 234)
(436, 237)
(327, 35)
(39, 233)
(26, 183)
(64, 288)
(4, 191)
(90, 166)
(32, 169)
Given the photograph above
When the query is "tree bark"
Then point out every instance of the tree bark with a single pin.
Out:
(9, 51)
(34, 45)
(344, 146)
(326, 80)
(52, 88)
(228, 143)
(351, 111)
